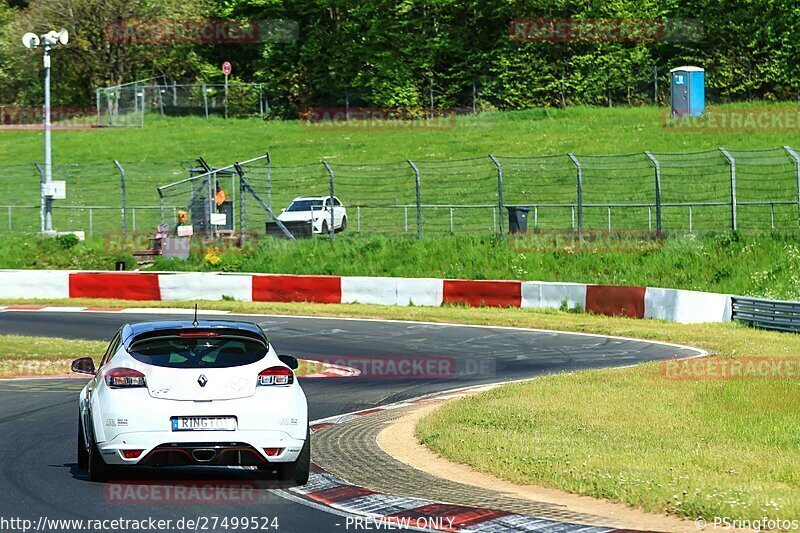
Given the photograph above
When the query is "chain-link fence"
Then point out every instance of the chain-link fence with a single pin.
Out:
(131, 105)
(712, 190)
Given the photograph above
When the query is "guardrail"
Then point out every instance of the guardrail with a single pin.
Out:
(767, 314)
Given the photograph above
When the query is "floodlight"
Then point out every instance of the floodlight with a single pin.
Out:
(30, 40)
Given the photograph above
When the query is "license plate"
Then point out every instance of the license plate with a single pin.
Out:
(203, 423)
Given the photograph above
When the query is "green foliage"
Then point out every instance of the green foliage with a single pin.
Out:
(389, 54)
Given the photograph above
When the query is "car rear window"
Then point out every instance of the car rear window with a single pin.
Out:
(304, 205)
(204, 352)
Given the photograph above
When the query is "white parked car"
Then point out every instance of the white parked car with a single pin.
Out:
(317, 209)
(182, 393)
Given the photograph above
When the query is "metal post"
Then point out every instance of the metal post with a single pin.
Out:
(772, 216)
(330, 173)
(226, 96)
(535, 217)
(133, 219)
(580, 193)
(358, 219)
(269, 181)
(451, 221)
(205, 100)
(41, 195)
(161, 99)
(174, 94)
(242, 208)
(691, 229)
(123, 197)
(418, 190)
(732, 163)
(657, 167)
(499, 189)
(796, 158)
(97, 105)
(48, 158)
(405, 212)
(91, 222)
(655, 84)
(609, 219)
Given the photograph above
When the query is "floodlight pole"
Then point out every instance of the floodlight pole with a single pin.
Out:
(48, 153)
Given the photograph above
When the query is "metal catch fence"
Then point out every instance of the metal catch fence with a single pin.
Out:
(711, 190)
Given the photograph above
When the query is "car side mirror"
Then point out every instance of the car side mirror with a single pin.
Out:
(283, 210)
(84, 365)
(289, 361)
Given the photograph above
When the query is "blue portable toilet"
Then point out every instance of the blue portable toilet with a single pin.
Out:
(687, 94)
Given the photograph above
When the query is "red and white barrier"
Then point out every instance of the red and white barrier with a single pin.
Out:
(635, 302)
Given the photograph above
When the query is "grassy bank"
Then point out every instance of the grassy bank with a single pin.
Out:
(692, 448)
(584, 130)
(23, 356)
(765, 266)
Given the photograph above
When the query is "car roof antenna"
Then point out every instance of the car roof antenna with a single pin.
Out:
(194, 322)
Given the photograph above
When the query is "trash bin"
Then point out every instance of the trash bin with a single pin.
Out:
(518, 219)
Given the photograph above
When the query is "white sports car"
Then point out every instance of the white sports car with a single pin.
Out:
(178, 393)
(316, 209)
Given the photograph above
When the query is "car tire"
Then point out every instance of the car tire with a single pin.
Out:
(297, 471)
(324, 230)
(83, 453)
(343, 225)
(98, 469)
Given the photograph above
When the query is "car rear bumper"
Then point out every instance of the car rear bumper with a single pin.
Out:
(202, 448)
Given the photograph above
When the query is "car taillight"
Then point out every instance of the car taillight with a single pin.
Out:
(124, 378)
(273, 452)
(131, 454)
(276, 375)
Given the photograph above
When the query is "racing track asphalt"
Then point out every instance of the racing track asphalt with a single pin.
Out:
(38, 475)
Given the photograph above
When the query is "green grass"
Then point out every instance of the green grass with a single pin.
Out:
(690, 448)
(46, 356)
(41, 356)
(585, 130)
(729, 263)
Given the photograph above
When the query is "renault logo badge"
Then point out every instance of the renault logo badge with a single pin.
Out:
(202, 380)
